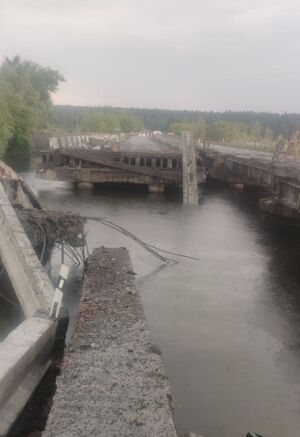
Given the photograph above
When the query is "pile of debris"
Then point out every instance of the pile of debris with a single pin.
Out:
(44, 228)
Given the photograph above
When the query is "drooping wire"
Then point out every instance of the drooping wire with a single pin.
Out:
(2, 295)
(173, 253)
(149, 247)
(124, 231)
(9, 301)
(44, 235)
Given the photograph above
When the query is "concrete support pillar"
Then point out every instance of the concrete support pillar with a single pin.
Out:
(189, 170)
(156, 188)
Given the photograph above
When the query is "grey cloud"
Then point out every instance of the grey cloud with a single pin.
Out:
(208, 54)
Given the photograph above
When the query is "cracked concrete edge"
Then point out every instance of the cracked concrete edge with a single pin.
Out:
(24, 361)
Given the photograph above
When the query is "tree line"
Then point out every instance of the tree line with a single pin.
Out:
(248, 129)
(25, 103)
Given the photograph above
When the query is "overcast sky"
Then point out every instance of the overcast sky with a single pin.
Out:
(177, 54)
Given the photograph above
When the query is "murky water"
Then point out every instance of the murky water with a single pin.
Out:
(228, 324)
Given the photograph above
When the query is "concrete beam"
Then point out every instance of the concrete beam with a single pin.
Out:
(94, 175)
(29, 279)
(24, 361)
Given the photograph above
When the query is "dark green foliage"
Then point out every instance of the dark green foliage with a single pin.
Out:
(25, 101)
(73, 118)
(5, 123)
(252, 129)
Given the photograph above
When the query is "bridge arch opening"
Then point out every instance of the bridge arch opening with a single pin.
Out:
(157, 162)
(132, 161)
(174, 163)
(148, 162)
(165, 163)
(142, 162)
(126, 160)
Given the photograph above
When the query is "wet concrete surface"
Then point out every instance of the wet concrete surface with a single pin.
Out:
(228, 325)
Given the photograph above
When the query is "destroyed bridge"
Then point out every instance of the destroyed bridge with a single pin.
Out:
(278, 178)
(155, 169)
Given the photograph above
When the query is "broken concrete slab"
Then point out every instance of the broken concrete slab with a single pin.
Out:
(113, 380)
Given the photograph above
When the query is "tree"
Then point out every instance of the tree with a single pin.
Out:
(26, 91)
(110, 121)
(5, 122)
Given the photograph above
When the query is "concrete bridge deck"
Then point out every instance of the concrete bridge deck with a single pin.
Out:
(112, 382)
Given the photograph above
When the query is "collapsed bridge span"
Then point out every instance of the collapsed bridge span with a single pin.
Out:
(155, 169)
(279, 178)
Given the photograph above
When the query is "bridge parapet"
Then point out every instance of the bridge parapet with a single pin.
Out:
(24, 361)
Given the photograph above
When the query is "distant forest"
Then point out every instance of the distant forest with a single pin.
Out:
(256, 129)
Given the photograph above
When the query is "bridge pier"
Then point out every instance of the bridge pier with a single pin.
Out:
(156, 188)
(189, 170)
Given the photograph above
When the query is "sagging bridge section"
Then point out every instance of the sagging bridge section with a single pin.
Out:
(155, 169)
(280, 179)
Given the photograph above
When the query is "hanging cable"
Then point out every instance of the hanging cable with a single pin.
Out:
(9, 301)
(172, 253)
(124, 231)
(149, 247)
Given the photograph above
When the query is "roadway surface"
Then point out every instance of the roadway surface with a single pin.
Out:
(144, 144)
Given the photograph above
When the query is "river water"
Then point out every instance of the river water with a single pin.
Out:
(228, 325)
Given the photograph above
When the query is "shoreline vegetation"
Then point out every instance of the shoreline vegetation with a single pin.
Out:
(26, 106)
